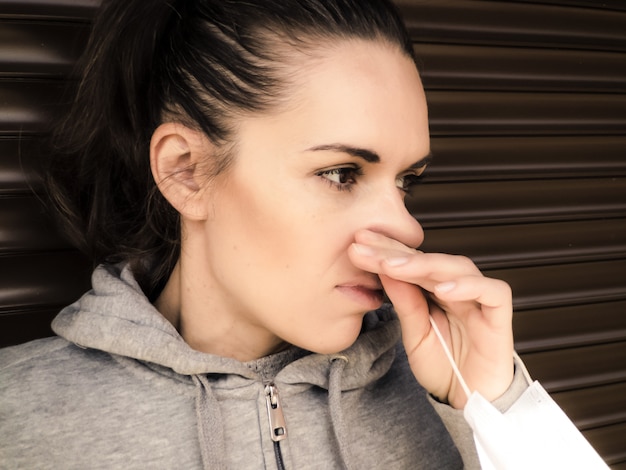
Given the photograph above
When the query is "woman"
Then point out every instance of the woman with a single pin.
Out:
(238, 171)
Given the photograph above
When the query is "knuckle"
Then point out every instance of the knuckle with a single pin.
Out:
(504, 287)
(466, 263)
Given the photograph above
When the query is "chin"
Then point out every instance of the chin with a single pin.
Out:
(337, 338)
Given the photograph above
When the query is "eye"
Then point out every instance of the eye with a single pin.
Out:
(408, 182)
(342, 178)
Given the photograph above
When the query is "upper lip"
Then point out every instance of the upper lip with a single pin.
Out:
(369, 283)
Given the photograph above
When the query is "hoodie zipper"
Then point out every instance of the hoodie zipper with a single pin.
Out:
(278, 430)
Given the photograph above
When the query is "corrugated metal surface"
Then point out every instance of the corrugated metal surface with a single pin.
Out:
(39, 273)
(528, 115)
(528, 108)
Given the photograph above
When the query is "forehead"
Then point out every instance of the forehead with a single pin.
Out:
(356, 94)
(361, 93)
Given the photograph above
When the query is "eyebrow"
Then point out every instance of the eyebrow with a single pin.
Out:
(365, 154)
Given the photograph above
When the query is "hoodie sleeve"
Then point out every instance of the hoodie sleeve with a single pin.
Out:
(461, 432)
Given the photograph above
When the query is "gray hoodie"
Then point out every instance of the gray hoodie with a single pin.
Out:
(119, 388)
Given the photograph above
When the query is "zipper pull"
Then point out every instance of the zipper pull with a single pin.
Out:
(278, 430)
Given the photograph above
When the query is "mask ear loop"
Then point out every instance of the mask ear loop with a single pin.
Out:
(455, 368)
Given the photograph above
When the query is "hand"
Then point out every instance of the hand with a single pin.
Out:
(474, 314)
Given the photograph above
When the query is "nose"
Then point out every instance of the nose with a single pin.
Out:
(392, 219)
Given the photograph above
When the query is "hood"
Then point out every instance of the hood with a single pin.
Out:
(116, 317)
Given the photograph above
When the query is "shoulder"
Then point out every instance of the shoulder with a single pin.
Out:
(44, 355)
(29, 377)
(61, 403)
(27, 354)
(39, 368)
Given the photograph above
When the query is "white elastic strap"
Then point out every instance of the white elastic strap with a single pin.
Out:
(456, 370)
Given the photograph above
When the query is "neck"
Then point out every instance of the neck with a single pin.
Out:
(168, 302)
(192, 303)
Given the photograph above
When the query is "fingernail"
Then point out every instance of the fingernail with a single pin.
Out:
(445, 286)
(363, 249)
(397, 261)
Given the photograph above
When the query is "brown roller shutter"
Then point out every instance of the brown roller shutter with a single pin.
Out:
(39, 273)
(528, 118)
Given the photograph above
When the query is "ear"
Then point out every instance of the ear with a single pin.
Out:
(177, 154)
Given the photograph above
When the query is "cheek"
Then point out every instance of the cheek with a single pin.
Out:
(255, 222)
(283, 227)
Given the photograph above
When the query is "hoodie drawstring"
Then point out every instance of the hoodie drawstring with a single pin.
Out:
(337, 365)
(210, 429)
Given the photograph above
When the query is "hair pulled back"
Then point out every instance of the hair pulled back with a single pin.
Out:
(197, 62)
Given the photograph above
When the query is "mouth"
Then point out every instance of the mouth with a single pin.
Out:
(370, 296)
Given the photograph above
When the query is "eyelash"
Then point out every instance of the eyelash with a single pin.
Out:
(348, 177)
(409, 182)
(351, 172)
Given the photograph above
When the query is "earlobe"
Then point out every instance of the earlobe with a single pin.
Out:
(176, 153)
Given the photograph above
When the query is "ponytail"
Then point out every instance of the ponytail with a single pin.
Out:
(99, 175)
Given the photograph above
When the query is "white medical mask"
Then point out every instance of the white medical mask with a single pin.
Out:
(534, 433)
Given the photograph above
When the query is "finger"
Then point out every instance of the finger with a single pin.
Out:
(375, 239)
(412, 308)
(424, 269)
(492, 295)
(370, 258)
(425, 356)
(437, 266)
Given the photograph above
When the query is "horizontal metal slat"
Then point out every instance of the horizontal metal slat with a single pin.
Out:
(51, 9)
(594, 407)
(509, 23)
(506, 68)
(562, 285)
(468, 113)
(22, 326)
(30, 48)
(510, 202)
(570, 326)
(27, 227)
(42, 281)
(482, 158)
(604, 5)
(575, 368)
(26, 105)
(17, 165)
(508, 246)
(609, 442)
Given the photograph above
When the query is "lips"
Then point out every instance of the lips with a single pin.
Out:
(367, 293)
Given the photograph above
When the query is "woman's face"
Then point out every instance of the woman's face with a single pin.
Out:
(270, 263)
